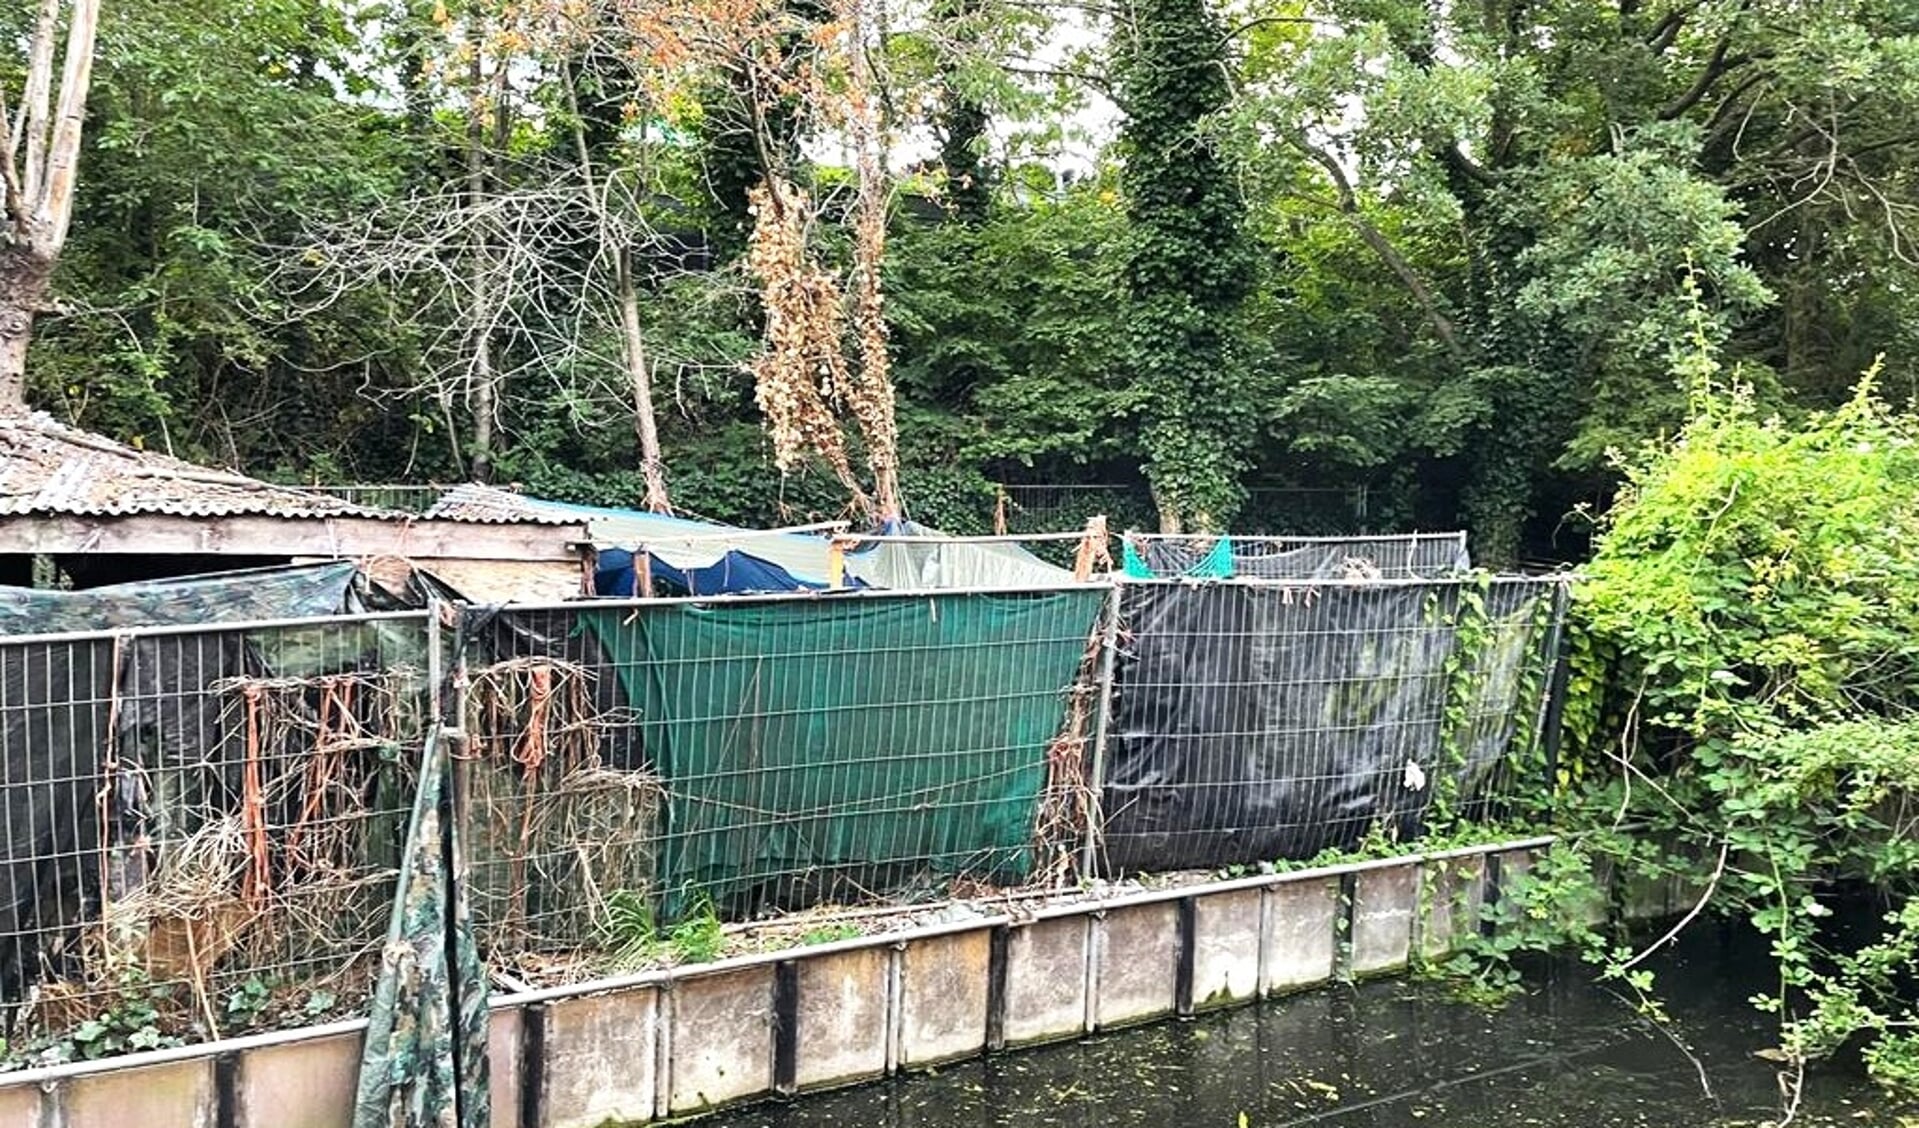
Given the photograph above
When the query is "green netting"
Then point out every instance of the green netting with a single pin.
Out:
(809, 749)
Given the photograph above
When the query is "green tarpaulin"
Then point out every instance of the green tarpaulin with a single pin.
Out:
(847, 744)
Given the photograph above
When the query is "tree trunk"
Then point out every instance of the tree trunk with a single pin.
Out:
(1169, 515)
(480, 369)
(633, 348)
(24, 276)
(16, 330)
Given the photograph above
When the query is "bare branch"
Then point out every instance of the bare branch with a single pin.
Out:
(54, 208)
(15, 206)
(1382, 246)
(1666, 31)
(1262, 21)
(1717, 67)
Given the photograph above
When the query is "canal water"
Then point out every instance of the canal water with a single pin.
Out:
(1387, 1054)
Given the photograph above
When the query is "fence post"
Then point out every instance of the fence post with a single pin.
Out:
(435, 663)
(1553, 710)
(1102, 726)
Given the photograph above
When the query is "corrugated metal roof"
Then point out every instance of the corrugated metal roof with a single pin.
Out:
(50, 469)
(491, 505)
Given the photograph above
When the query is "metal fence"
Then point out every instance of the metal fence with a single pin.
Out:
(668, 756)
(1390, 556)
(202, 826)
(1321, 510)
(404, 497)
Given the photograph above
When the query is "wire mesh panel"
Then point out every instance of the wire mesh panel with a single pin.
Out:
(405, 497)
(562, 811)
(1266, 721)
(1398, 556)
(1049, 508)
(782, 752)
(1317, 510)
(201, 828)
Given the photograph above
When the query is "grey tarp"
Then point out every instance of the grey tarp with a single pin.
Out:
(939, 562)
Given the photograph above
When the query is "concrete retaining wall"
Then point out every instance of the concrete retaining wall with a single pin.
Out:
(676, 1042)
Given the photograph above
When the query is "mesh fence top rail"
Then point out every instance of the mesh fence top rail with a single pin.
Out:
(1386, 557)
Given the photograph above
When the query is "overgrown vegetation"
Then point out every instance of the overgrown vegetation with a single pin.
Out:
(1742, 712)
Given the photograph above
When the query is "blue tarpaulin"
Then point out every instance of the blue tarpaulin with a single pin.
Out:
(733, 572)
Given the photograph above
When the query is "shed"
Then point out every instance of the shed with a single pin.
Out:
(109, 513)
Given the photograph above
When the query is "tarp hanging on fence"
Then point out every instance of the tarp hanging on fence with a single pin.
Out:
(805, 744)
(1407, 556)
(53, 731)
(424, 1063)
(1215, 563)
(225, 597)
(1256, 722)
(946, 562)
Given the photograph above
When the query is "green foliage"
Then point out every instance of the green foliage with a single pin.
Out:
(1190, 264)
(830, 933)
(1440, 250)
(247, 1002)
(629, 928)
(698, 937)
(1752, 665)
(130, 1022)
(631, 931)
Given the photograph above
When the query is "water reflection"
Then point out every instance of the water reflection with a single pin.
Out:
(1379, 1055)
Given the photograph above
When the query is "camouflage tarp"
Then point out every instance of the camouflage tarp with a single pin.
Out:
(424, 1063)
(227, 597)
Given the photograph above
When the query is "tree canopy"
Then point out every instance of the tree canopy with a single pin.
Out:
(1448, 252)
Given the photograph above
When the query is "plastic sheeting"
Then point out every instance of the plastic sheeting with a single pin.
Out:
(804, 746)
(225, 597)
(1260, 722)
(943, 562)
(147, 704)
(734, 572)
(51, 742)
(681, 552)
(1404, 557)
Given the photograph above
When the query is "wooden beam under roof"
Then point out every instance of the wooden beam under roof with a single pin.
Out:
(349, 538)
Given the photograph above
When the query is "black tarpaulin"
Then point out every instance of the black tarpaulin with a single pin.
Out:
(53, 724)
(1270, 721)
(1263, 722)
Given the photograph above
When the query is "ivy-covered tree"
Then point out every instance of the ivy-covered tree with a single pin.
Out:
(1190, 264)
